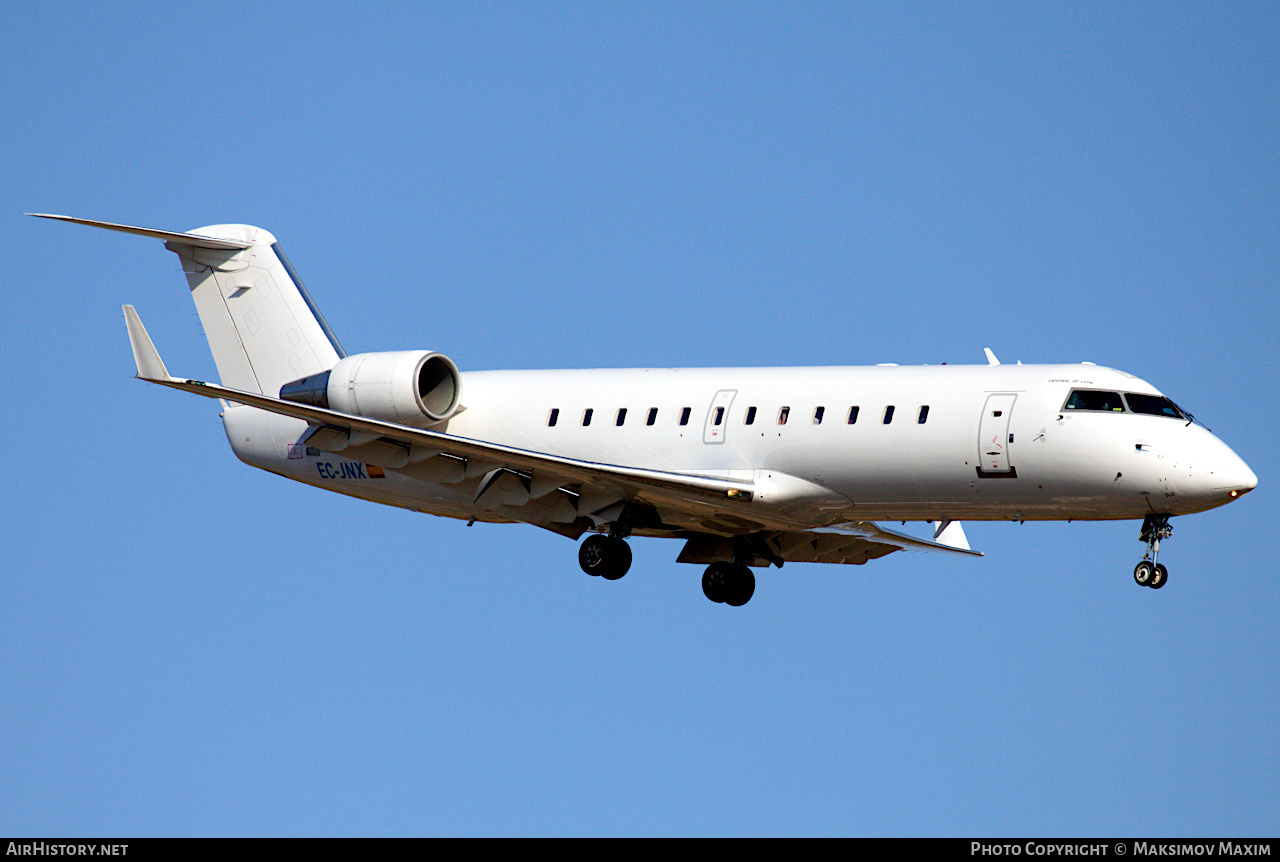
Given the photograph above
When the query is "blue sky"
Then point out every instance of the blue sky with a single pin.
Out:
(192, 647)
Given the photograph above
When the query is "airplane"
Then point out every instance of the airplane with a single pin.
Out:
(751, 467)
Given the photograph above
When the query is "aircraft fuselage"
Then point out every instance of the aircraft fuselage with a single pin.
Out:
(992, 442)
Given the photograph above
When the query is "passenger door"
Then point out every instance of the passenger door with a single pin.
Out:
(994, 439)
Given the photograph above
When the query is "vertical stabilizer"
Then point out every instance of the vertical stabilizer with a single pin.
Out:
(263, 329)
(262, 326)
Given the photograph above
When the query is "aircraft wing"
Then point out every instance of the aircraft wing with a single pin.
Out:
(512, 477)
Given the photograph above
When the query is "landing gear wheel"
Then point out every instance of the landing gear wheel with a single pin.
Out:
(730, 583)
(743, 586)
(619, 559)
(592, 554)
(608, 557)
(1144, 573)
(1160, 578)
(715, 581)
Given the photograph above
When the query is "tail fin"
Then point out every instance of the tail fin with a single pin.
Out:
(263, 328)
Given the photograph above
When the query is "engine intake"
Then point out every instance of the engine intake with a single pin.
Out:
(409, 387)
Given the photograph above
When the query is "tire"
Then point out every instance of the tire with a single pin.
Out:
(593, 555)
(1144, 573)
(716, 580)
(1160, 578)
(617, 560)
(742, 586)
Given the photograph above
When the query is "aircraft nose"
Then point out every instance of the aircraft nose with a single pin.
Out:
(1232, 475)
(1217, 474)
(1238, 479)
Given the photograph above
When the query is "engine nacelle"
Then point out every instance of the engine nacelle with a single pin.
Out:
(408, 387)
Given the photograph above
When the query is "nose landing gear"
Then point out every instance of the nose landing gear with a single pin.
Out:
(1149, 573)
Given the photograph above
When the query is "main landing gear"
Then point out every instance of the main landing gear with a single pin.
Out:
(1149, 573)
(606, 556)
(731, 583)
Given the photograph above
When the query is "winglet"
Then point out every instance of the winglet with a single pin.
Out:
(991, 357)
(150, 365)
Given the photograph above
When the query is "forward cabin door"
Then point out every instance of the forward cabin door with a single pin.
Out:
(994, 439)
(718, 416)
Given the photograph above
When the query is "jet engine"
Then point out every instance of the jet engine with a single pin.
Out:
(408, 387)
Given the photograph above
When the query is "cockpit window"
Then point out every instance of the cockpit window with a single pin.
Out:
(1094, 399)
(1154, 405)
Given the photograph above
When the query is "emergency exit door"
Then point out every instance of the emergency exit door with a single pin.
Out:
(718, 416)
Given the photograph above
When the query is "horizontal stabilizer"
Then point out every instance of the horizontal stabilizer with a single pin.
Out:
(172, 236)
(150, 365)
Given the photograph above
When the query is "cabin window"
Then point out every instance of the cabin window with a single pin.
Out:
(1152, 405)
(1094, 399)
(684, 415)
(622, 417)
(923, 417)
(719, 416)
(751, 416)
(553, 417)
(586, 416)
(783, 413)
(853, 415)
(653, 416)
(817, 415)
(888, 414)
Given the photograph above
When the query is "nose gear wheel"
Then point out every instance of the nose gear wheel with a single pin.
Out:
(1149, 573)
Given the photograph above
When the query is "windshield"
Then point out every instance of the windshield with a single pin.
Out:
(1104, 401)
(1094, 399)
(1154, 405)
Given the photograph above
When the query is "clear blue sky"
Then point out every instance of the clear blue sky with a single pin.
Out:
(189, 646)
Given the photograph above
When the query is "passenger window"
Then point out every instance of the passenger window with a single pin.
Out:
(719, 416)
(684, 416)
(924, 415)
(622, 417)
(783, 413)
(817, 415)
(553, 417)
(751, 416)
(586, 416)
(853, 415)
(888, 414)
(1094, 399)
(1152, 405)
(653, 416)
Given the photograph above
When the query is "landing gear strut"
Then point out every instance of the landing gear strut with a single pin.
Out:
(606, 556)
(1149, 573)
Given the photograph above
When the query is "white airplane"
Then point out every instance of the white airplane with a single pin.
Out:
(749, 466)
